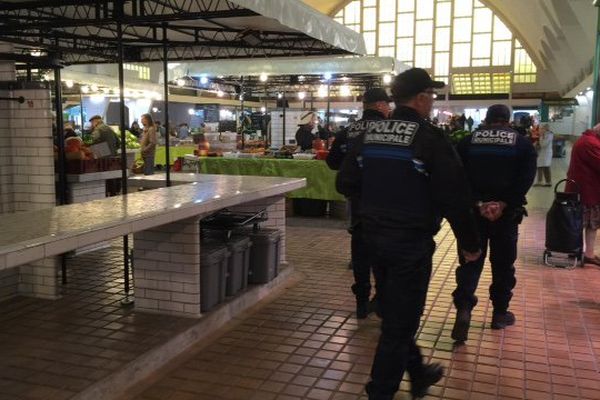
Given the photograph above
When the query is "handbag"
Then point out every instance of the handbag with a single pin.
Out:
(138, 167)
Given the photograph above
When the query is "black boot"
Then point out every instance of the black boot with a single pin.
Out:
(501, 320)
(362, 300)
(430, 375)
(460, 332)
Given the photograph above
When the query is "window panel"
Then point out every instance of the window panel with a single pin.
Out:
(462, 30)
(462, 84)
(463, 8)
(482, 20)
(501, 83)
(501, 31)
(425, 9)
(352, 13)
(406, 5)
(369, 42)
(386, 34)
(480, 62)
(387, 10)
(443, 14)
(404, 49)
(482, 45)
(369, 19)
(529, 78)
(386, 52)
(404, 29)
(482, 83)
(523, 64)
(423, 56)
(501, 53)
(424, 32)
(442, 39)
(442, 64)
(406, 25)
(461, 55)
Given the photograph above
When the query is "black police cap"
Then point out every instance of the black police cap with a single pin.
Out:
(412, 82)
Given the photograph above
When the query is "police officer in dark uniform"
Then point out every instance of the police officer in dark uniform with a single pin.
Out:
(409, 177)
(376, 107)
(501, 165)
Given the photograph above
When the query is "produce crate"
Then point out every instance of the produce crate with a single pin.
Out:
(83, 166)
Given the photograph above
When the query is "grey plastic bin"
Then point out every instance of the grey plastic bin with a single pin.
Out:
(264, 254)
(238, 263)
(213, 272)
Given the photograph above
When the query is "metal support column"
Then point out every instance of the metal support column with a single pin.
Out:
(60, 140)
(595, 98)
(242, 113)
(166, 101)
(128, 298)
(283, 102)
(81, 109)
(328, 105)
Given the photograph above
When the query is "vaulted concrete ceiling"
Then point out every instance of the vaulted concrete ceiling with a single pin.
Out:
(560, 35)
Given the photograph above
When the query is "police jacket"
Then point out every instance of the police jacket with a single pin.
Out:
(304, 137)
(347, 137)
(409, 177)
(500, 165)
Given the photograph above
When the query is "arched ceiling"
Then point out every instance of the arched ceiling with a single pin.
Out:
(559, 35)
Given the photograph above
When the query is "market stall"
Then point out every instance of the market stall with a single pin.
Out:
(320, 180)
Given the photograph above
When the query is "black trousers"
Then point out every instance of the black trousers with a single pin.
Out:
(502, 238)
(403, 265)
(361, 264)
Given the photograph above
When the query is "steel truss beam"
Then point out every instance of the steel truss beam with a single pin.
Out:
(84, 31)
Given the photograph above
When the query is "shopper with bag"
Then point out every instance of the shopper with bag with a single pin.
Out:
(585, 170)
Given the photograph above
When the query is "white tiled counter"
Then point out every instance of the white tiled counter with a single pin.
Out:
(34, 235)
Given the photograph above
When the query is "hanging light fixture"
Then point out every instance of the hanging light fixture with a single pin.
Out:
(180, 82)
(387, 79)
(203, 80)
(85, 89)
(327, 76)
(301, 95)
(220, 93)
(94, 87)
(263, 77)
(69, 83)
(280, 95)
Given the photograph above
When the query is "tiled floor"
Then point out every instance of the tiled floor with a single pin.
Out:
(306, 343)
(55, 349)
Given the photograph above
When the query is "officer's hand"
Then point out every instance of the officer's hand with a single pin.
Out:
(492, 210)
(471, 256)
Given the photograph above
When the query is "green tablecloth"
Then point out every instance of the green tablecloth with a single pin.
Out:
(320, 180)
(174, 152)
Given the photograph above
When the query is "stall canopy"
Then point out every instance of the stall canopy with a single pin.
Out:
(86, 31)
(295, 66)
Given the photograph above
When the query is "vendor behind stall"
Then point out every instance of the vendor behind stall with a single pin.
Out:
(103, 133)
(304, 136)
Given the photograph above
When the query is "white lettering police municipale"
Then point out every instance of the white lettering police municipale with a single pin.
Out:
(492, 136)
(391, 132)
